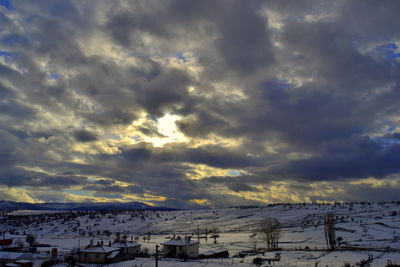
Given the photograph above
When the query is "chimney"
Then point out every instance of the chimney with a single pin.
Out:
(98, 243)
(131, 238)
(101, 243)
(109, 243)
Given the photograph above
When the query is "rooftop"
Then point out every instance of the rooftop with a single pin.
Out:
(125, 244)
(180, 242)
(99, 249)
(14, 255)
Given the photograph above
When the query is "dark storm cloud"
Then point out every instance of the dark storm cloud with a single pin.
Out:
(115, 189)
(369, 21)
(5, 92)
(13, 177)
(318, 100)
(357, 159)
(14, 109)
(215, 156)
(85, 136)
(242, 44)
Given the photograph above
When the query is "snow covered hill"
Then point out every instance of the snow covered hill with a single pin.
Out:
(363, 230)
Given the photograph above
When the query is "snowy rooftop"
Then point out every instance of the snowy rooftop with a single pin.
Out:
(125, 244)
(113, 254)
(214, 251)
(14, 255)
(99, 249)
(180, 242)
(23, 261)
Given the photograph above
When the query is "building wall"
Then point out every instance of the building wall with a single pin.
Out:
(92, 257)
(133, 250)
(191, 251)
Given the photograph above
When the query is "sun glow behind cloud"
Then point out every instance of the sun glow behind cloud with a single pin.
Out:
(165, 131)
(166, 126)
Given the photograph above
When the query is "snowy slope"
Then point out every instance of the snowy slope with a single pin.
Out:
(365, 228)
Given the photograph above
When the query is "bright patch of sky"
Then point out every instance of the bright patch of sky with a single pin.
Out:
(235, 173)
(84, 193)
(166, 126)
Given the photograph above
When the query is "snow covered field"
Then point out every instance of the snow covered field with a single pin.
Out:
(364, 230)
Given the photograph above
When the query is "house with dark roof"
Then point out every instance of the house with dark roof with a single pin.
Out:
(128, 250)
(183, 248)
(99, 254)
(13, 257)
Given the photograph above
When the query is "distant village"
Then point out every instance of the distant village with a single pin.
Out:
(29, 252)
(13, 254)
(100, 240)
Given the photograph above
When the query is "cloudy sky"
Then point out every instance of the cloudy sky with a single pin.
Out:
(189, 103)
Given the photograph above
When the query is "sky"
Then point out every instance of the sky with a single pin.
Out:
(199, 103)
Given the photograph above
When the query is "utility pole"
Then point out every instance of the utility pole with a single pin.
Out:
(156, 257)
(186, 239)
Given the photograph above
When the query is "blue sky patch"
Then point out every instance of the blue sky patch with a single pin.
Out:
(390, 50)
(181, 57)
(54, 76)
(235, 173)
(7, 55)
(6, 4)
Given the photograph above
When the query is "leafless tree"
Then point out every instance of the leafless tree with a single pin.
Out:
(270, 230)
(330, 233)
(31, 239)
(254, 241)
(215, 234)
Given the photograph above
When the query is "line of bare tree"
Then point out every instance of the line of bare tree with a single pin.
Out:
(270, 230)
(330, 233)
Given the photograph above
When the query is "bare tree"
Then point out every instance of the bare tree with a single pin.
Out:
(254, 241)
(215, 234)
(31, 239)
(330, 233)
(270, 230)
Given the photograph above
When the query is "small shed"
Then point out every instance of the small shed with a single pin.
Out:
(12, 257)
(215, 253)
(182, 248)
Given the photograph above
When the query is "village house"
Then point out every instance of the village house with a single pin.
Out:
(8, 245)
(181, 248)
(7, 258)
(128, 250)
(98, 254)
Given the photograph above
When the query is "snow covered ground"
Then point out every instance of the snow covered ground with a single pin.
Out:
(365, 230)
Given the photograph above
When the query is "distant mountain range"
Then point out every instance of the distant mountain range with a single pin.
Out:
(87, 206)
